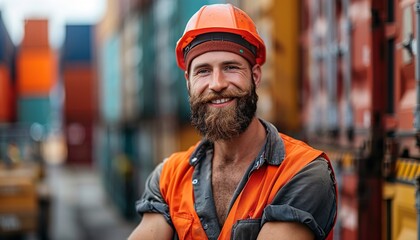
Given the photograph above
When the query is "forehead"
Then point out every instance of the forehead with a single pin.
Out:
(217, 58)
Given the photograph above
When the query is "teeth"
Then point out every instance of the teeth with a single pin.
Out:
(219, 101)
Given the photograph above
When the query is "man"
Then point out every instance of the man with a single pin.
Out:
(244, 180)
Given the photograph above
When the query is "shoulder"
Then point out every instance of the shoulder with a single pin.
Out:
(318, 172)
(314, 179)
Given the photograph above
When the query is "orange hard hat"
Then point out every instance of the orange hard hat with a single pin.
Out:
(220, 18)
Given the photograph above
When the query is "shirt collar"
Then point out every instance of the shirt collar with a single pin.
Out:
(273, 153)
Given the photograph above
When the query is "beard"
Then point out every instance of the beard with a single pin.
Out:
(226, 122)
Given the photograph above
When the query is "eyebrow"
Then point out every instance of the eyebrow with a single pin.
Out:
(224, 63)
(200, 66)
(231, 62)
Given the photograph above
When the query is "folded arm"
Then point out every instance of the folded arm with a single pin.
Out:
(153, 226)
(285, 231)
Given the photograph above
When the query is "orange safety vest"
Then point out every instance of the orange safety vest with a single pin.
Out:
(177, 189)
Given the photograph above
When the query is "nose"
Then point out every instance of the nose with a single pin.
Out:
(218, 82)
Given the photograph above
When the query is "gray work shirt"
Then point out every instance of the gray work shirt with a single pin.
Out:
(308, 198)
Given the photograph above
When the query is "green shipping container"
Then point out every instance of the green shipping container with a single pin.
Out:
(147, 79)
(34, 110)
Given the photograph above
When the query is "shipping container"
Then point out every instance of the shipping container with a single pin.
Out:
(358, 95)
(115, 154)
(147, 150)
(36, 34)
(130, 57)
(7, 93)
(7, 47)
(108, 25)
(146, 67)
(404, 106)
(124, 9)
(277, 23)
(164, 15)
(114, 77)
(284, 47)
(7, 75)
(110, 80)
(34, 110)
(102, 159)
(37, 71)
(81, 92)
(78, 44)
(124, 193)
(79, 141)
(402, 148)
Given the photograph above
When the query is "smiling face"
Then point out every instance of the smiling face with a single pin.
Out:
(222, 93)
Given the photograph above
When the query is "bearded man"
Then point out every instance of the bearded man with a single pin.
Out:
(243, 180)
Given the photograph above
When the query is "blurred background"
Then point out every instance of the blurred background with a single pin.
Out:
(91, 99)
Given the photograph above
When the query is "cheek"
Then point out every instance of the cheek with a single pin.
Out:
(197, 88)
(242, 84)
(239, 79)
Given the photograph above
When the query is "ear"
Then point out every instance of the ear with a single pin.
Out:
(256, 74)
(187, 80)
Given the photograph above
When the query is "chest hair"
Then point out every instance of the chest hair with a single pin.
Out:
(224, 182)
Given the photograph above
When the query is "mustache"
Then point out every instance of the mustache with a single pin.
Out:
(211, 96)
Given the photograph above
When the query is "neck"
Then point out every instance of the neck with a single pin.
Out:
(243, 148)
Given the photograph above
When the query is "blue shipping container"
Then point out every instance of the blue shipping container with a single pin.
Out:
(78, 44)
(110, 80)
(7, 48)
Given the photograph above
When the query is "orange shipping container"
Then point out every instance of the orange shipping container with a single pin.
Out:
(6, 95)
(36, 71)
(35, 34)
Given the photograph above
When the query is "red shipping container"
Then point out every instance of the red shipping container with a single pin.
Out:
(6, 95)
(79, 141)
(36, 71)
(35, 34)
(80, 91)
(344, 100)
(349, 207)
(405, 87)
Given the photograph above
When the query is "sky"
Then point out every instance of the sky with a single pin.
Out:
(59, 13)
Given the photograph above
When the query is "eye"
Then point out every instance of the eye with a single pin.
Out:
(202, 71)
(231, 67)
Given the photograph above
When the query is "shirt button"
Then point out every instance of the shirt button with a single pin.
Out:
(194, 160)
(194, 181)
(205, 226)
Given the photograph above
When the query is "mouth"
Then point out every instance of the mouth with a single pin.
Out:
(221, 100)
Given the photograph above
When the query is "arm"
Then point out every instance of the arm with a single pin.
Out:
(285, 230)
(153, 226)
(155, 223)
(308, 199)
